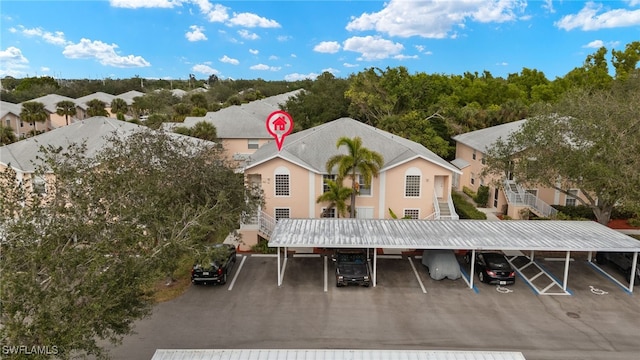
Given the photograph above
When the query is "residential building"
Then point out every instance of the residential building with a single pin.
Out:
(506, 195)
(50, 104)
(413, 182)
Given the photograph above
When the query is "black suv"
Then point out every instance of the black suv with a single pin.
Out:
(351, 268)
(214, 265)
(622, 261)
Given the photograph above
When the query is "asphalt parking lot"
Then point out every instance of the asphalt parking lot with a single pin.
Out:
(406, 310)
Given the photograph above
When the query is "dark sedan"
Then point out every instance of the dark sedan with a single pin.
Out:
(493, 268)
(215, 265)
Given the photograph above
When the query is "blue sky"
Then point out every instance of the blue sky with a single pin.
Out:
(292, 40)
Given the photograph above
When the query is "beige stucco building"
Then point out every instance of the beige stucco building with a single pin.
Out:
(506, 195)
(413, 182)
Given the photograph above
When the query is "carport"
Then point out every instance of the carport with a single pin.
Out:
(472, 235)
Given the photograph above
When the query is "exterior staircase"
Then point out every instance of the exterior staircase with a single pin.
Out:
(517, 196)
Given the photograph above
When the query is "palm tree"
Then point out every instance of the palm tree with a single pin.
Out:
(359, 161)
(119, 107)
(336, 197)
(96, 108)
(7, 136)
(66, 108)
(33, 112)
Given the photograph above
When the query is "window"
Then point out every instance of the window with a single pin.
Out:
(328, 213)
(533, 192)
(281, 213)
(282, 184)
(412, 186)
(8, 122)
(571, 199)
(39, 185)
(483, 161)
(412, 214)
(473, 179)
(325, 177)
(473, 156)
(364, 190)
(253, 144)
(21, 124)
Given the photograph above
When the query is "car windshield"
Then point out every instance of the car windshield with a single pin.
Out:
(351, 258)
(497, 262)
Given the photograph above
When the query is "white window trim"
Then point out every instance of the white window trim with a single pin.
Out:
(335, 212)
(281, 208)
(413, 172)
(404, 212)
(281, 171)
(370, 188)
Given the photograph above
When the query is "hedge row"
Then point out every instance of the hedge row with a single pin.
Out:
(465, 209)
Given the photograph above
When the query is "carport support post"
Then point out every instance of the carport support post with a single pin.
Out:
(566, 270)
(634, 266)
(472, 270)
(375, 267)
(279, 273)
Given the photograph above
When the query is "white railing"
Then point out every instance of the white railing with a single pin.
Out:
(436, 206)
(523, 198)
(454, 215)
(266, 223)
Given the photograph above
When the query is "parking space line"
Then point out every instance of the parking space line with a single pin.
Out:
(235, 276)
(608, 276)
(542, 271)
(417, 275)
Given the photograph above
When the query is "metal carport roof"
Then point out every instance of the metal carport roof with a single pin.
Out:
(542, 235)
(275, 354)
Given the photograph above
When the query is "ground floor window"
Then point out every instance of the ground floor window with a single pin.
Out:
(282, 213)
(412, 214)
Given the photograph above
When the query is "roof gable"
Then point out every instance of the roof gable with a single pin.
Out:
(484, 139)
(312, 148)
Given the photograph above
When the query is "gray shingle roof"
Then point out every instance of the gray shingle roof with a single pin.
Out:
(7, 107)
(312, 148)
(51, 100)
(246, 121)
(95, 131)
(483, 139)
(129, 95)
(104, 97)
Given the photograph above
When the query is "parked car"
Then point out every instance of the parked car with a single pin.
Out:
(622, 261)
(214, 265)
(441, 264)
(493, 268)
(351, 268)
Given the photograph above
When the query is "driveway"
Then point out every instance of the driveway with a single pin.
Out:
(256, 313)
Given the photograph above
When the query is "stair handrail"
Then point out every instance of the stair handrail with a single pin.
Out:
(266, 223)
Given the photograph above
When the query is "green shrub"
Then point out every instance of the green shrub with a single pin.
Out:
(469, 192)
(635, 222)
(576, 212)
(465, 209)
(262, 247)
(482, 197)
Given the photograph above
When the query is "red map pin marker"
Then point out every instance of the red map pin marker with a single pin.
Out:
(279, 125)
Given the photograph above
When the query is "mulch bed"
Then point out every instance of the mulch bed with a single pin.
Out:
(621, 224)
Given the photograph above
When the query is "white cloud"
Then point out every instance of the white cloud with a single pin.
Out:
(283, 38)
(106, 54)
(350, 65)
(595, 44)
(331, 70)
(434, 19)
(217, 13)
(55, 38)
(250, 20)
(405, 57)
(204, 69)
(254, 51)
(633, 2)
(372, 47)
(44, 69)
(294, 55)
(297, 77)
(246, 34)
(504, 63)
(12, 62)
(330, 47)
(136, 4)
(273, 57)
(196, 33)
(589, 19)
(548, 5)
(228, 60)
(265, 67)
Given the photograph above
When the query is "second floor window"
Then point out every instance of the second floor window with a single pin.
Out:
(325, 177)
(412, 186)
(363, 189)
(282, 213)
(571, 199)
(253, 144)
(282, 184)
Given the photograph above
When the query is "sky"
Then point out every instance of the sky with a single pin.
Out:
(294, 40)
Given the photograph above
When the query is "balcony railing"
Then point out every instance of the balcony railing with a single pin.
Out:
(517, 196)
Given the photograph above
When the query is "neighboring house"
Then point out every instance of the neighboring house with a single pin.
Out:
(104, 97)
(413, 182)
(506, 195)
(50, 104)
(23, 156)
(10, 117)
(241, 128)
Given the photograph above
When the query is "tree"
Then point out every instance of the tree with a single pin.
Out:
(7, 136)
(625, 62)
(66, 108)
(119, 106)
(33, 112)
(97, 108)
(589, 140)
(336, 197)
(79, 265)
(358, 161)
